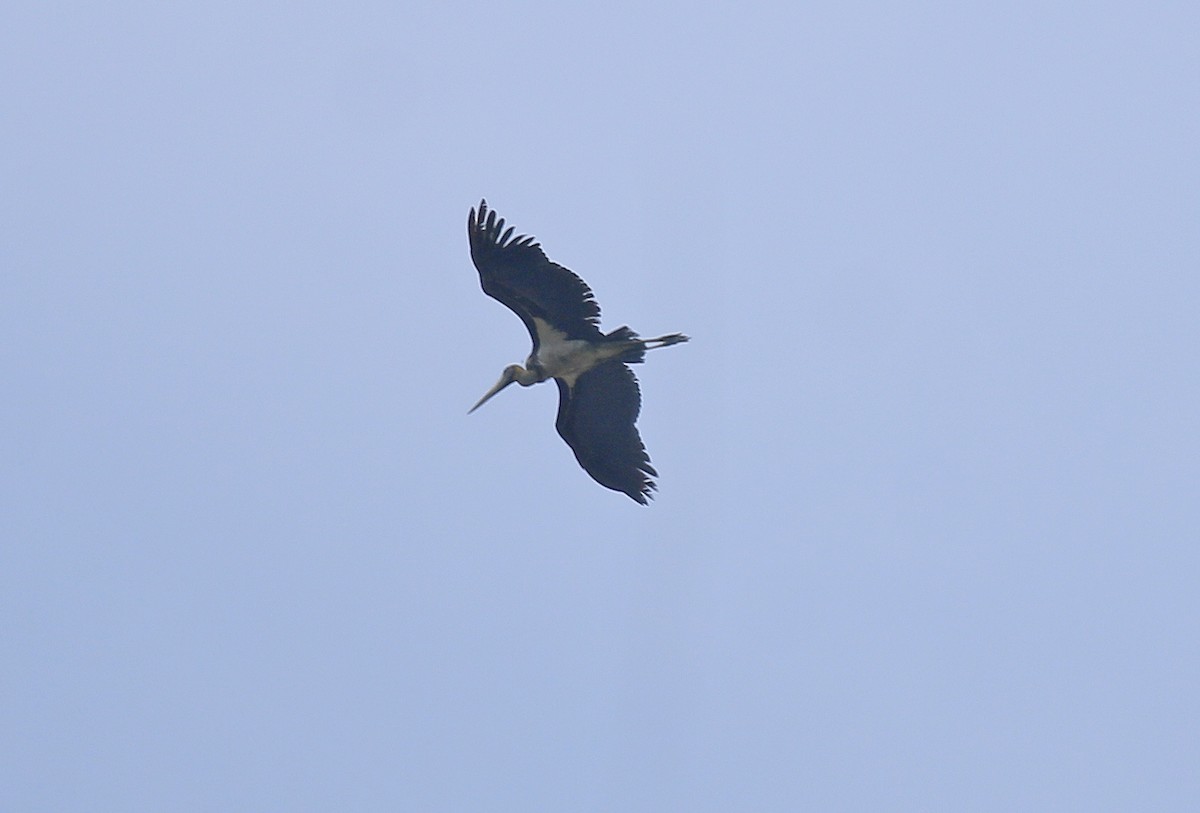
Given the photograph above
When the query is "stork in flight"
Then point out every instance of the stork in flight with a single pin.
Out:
(598, 397)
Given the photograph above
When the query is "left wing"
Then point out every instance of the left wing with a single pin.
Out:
(517, 272)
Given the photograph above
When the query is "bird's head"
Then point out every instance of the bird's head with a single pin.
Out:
(510, 374)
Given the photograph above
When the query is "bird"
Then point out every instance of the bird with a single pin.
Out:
(598, 395)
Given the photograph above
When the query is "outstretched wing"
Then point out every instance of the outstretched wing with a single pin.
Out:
(515, 271)
(596, 417)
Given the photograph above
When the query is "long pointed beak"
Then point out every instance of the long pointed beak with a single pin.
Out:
(504, 381)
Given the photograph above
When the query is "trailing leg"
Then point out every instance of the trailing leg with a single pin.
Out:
(664, 341)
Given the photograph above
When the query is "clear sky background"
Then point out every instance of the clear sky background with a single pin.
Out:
(928, 535)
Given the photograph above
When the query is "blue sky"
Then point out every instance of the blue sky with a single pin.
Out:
(927, 531)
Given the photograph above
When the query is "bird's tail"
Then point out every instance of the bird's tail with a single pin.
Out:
(635, 352)
(638, 346)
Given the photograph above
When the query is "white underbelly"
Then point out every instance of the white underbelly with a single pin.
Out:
(567, 358)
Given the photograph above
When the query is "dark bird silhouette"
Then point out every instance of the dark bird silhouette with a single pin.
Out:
(598, 396)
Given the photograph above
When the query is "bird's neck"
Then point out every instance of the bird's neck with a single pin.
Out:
(528, 377)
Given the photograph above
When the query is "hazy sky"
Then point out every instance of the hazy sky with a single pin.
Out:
(928, 533)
